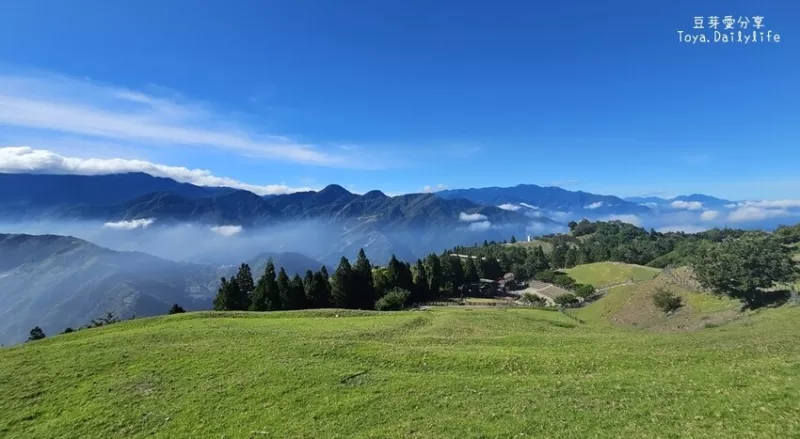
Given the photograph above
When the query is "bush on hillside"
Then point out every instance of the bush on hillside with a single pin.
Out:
(533, 300)
(563, 280)
(68, 330)
(176, 309)
(666, 300)
(394, 300)
(36, 334)
(584, 291)
(566, 300)
(108, 319)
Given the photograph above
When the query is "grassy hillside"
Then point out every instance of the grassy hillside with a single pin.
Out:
(632, 306)
(434, 374)
(601, 274)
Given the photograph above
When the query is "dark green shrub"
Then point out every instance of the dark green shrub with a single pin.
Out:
(566, 300)
(394, 300)
(36, 334)
(533, 300)
(176, 309)
(666, 300)
(584, 291)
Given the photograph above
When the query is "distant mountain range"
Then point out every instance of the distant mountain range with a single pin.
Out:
(407, 225)
(527, 197)
(57, 282)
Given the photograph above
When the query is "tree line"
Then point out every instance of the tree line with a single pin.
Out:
(355, 286)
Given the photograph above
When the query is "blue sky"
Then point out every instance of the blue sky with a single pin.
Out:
(597, 96)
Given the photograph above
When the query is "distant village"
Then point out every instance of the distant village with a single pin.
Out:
(508, 286)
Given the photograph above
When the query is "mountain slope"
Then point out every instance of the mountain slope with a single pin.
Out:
(57, 281)
(546, 198)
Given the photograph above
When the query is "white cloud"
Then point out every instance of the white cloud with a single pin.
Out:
(755, 213)
(509, 206)
(593, 205)
(470, 217)
(709, 215)
(773, 204)
(650, 205)
(129, 224)
(58, 104)
(630, 219)
(688, 205)
(431, 189)
(28, 160)
(760, 210)
(480, 226)
(529, 206)
(226, 230)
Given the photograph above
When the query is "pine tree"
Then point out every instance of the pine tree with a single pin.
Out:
(380, 277)
(540, 261)
(399, 275)
(571, 258)
(283, 290)
(456, 276)
(342, 284)
(316, 290)
(324, 271)
(584, 255)
(230, 296)
(222, 301)
(245, 279)
(470, 271)
(513, 239)
(447, 273)
(322, 291)
(265, 297)
(435, 275)
(420, 291)
(297, 293)
(36, 334)
(489, 268)
(558, 257)
(364, 293)
(308, 289)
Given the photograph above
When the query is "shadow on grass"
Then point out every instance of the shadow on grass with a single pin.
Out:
(764, 299)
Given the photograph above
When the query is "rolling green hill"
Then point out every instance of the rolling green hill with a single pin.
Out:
(632, 306)
(430, 374)
(602, 274)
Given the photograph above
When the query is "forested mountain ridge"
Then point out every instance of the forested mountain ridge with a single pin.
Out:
(119, 197)
(546, 198)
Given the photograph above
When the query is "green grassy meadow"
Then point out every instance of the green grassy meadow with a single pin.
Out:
(601, 274)
(441, 373)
